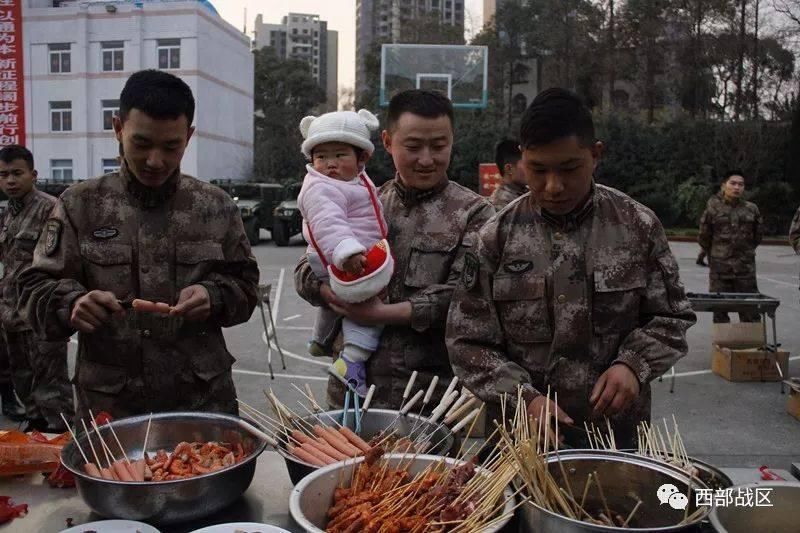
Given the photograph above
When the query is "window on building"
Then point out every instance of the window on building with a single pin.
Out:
(110, 110)
(60, 58)
(294, 19)
(305, 30)
(110, 165)
(169, 53)
(113, 56)
(61, 116)
(61, 170)
(294, 31)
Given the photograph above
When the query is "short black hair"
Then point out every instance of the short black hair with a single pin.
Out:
(555, 114)
(158, 94)
(732, 172)
(506, 151)
(428, 104)
(12, 152)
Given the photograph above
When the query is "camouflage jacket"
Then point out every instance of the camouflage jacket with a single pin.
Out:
(429, 233)
(114, 234)
(729, 233)
(506, 193)
(18, 238)
(553, 302)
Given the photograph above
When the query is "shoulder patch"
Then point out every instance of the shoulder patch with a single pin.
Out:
(518, 266)
(471, 269)
(53, 238)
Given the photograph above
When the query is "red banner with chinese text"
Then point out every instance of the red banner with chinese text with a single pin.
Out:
(489, 177)
(12, 77)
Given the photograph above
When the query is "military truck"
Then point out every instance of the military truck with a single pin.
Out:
(269, 206)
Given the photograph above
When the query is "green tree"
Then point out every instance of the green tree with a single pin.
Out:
(284, 93)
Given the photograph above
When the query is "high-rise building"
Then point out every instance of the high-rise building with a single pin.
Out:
(383, 20)
(305, 37)
(78, 55)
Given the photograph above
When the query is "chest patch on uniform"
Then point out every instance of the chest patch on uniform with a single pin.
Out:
(517, 266)
(471, 268)
(53, 237)
(105, 233)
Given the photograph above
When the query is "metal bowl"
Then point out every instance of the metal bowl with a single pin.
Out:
(311, 498)
(783, 516)
(373, 423)
(623, 476)
(166, 502)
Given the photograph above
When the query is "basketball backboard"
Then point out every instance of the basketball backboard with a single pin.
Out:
(460, 72)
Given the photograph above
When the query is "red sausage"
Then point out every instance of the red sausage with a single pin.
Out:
(304, 455)
(323, 445)
(92, 470)
(163, 308)
(106, 474)
(337, 444)
(319, 454)
(122, 471)
(354, 439)
(144, 306)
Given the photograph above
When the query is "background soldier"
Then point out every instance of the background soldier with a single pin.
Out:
(506, 157)
(11, 406)
(146, 231)
(573, 288)
(38, 367)
(730, 230)
(432, 222)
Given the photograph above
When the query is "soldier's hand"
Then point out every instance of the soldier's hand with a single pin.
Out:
(194, 303)
(538, 408)
(614, 391)
(94, 309)
(327, 295)
(355, 264)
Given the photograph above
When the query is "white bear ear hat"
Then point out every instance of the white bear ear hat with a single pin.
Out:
(339, 126)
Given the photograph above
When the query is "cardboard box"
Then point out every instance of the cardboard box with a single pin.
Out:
(738, 335)
(748, 364)
(793, 402)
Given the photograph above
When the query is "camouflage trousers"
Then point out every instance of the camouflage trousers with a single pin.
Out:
(747, 284)
(39, 375)
(5, 364)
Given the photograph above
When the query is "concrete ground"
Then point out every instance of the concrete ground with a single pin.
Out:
(728, 424)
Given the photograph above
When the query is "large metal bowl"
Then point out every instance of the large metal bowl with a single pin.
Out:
(782, 517)
(373, 423)
(313, 496)
(166, 502)
(623, 476)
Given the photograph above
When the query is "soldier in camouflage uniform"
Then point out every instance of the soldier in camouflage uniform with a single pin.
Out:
(794, 232)
(572, 289)
(432, 223)
(730, 230)
(146, 231)
(506, 157)
(38, 367)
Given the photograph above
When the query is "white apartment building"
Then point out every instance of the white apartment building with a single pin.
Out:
(305, 37)
(383, 21)
(78, 55)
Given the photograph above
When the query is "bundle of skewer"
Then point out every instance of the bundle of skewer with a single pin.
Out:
(116, 469)
(664, 446)
(317, 438)
(530, 444)
(382, 496)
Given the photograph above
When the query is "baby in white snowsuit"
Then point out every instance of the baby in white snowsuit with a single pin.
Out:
(344, 225)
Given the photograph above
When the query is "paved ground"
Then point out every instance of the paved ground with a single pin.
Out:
(729, 424)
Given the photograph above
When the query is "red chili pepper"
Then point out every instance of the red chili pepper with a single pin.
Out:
(769, 475)
(102, 417)
(9, 511)
(61, 478)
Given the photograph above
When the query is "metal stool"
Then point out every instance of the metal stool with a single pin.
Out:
(263, 298)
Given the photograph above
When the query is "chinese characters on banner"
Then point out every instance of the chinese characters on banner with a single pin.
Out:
(489, 177)
(12, 94)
